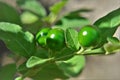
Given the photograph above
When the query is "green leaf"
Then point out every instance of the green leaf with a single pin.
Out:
(112, 48)
(31, 22)
(33, 6)
(22, 68)
(54, 12)
(33, 61)
(7, 72)
(64, 54)
(72, 21)
(56, 8)
(9, 14)
(19, 78)
(105, 33)
(76, 12)
(33, 27)
(75, 23)
(108, 24)
(50, 72)
(96, 51)
(41, 52)
(111, 20)
(28, 17)
(73, 66)
(72, 39)
(19, 42)
(113, 40)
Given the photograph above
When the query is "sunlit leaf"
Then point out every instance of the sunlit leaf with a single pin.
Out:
(33, 61)
(19, 42)
(72, 39)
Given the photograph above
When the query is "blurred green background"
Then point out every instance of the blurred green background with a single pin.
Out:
(97, 67)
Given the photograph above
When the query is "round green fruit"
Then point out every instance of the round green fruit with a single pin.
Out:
(42, 41)
(41, 36)
(42, 32)
(88, 36)
(55, 39)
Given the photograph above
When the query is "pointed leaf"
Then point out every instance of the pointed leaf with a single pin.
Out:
(19, 42)
(74, 22)
(108, 24)
(72, 39)
(54, 11)
(73, 66)
(111, 20)
(56, 8)
(33, 61)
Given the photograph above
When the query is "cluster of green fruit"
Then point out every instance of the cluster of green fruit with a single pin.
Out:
(55, 39)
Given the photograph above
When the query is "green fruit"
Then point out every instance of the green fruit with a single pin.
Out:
(88, 36)
(55, 39)
(42, 41)
(41, 36)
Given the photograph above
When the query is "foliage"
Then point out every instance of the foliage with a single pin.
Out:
(5, 75)
(18, 31)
